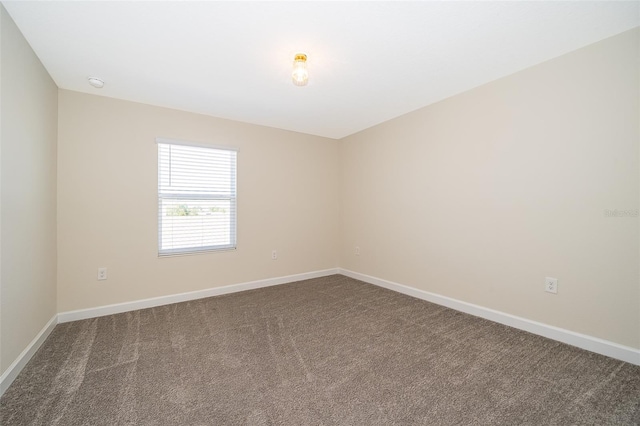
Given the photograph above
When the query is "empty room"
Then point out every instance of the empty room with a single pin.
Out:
(319, 213)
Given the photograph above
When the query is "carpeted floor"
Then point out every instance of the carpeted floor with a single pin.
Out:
(327, 351)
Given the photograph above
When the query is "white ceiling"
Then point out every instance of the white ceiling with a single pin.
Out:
(368, 61)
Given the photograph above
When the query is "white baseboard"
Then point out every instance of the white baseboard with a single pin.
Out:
(593, 344)
(183, 297)
(583, 341)
(14, 369)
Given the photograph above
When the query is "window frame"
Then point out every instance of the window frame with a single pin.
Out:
(233, 226)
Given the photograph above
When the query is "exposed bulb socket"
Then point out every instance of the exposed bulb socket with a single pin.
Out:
(300, 75)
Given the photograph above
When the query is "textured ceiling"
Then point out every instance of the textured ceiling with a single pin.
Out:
(368, 61)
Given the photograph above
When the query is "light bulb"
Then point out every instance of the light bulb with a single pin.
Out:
(300, 75)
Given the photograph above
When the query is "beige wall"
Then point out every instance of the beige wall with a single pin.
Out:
(481, 196)
(478, 197)
(28, 99)
(107, 202)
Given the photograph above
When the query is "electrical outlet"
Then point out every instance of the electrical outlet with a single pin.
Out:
(274, 254)
(102, 274)
(357, 251)
(551, 285)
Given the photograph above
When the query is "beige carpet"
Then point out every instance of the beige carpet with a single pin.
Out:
(328, 351)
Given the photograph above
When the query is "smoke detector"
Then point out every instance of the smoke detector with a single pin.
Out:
(96, 82)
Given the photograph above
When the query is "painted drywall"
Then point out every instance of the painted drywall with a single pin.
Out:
(28, 98)
(483, 195)
(288, 198)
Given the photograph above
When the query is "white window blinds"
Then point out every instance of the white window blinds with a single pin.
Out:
(196, 198)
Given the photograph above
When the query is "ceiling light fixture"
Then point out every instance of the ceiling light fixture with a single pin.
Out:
(300, 75)
(96, 82)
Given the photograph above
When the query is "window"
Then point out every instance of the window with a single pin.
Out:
(196, 198)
